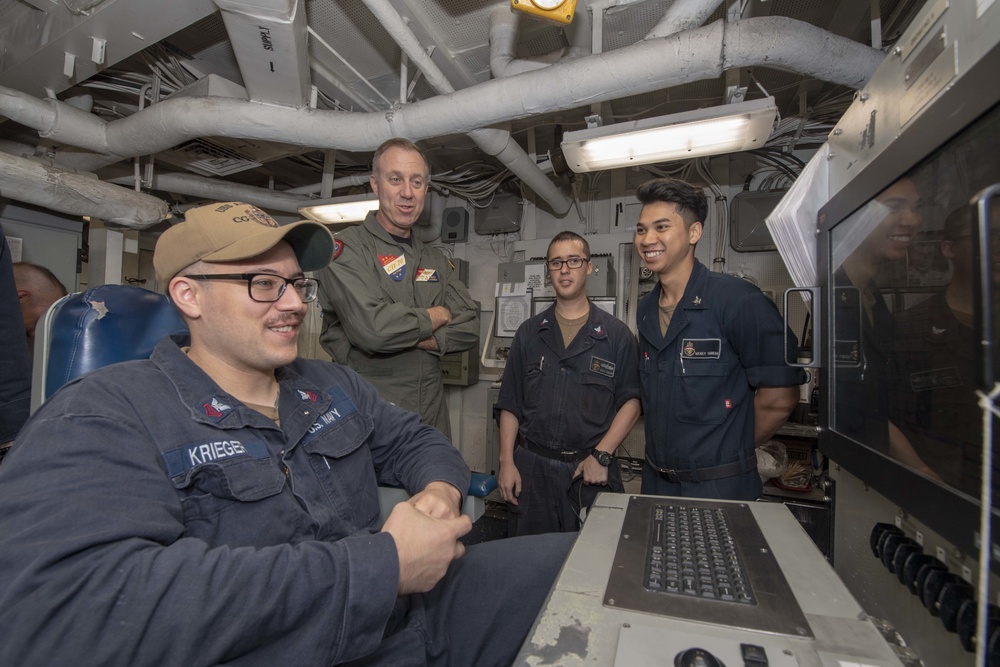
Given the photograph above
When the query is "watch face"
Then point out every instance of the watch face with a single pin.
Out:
(602, 457)
(546, 4)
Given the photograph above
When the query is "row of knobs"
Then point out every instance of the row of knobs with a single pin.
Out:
(943, 593)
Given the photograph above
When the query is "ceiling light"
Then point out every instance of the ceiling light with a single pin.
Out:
(729, 128)
(340, 210)
(554, 10)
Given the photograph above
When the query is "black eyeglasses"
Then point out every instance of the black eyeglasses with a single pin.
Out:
(267, 287)
(572, 262)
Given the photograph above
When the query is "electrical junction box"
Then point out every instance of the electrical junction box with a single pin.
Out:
(502, 216)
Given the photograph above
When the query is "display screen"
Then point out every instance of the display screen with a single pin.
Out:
(913, 274)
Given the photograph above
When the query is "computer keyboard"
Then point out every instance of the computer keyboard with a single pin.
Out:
(701, 560)
(692, 551)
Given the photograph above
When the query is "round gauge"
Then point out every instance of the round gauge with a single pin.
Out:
(547, 4)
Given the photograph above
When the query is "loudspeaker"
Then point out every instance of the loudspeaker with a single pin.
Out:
(455, 225)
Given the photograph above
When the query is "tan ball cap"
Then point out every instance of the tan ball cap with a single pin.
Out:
(232, 231)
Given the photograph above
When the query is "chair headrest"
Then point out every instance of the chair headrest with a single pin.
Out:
(105, 325)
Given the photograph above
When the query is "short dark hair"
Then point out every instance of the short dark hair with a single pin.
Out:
(399, 142)
(691, 201)
(958, 224)
(39, 277)
(568, 236)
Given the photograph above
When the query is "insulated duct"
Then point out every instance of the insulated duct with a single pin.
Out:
(218, 190)
(694, 55)
(76, 194)
(504, 28)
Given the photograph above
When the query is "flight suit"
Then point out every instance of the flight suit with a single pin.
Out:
(375, 295)
(564, 400)
(725, 339)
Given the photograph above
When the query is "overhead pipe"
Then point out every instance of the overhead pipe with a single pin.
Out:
(435, 218)
(214, 189)
(77, 194)
(63, 157)
(504, 29)
(694, 55)
(493, 141)
(683, 15)
(338, 183)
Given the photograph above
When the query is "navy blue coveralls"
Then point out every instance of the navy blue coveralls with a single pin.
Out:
(724, 340)
(150, 518)
(565, 401)
(933, 397)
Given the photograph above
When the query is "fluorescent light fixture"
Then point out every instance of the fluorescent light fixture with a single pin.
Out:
(340, 210)
(729, 128)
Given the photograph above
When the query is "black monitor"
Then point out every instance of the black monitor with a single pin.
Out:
(909, 271)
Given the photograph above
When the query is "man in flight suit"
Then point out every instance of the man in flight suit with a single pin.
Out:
(393, 305)
(569, 396)
(217, 503)
(712, 358)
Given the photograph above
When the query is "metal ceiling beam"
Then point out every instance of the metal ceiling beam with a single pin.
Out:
(75, 47)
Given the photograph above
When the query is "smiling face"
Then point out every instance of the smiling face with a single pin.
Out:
(400, 181)
(664, 240)
(894, 234)
(231, 330)
(568, 283)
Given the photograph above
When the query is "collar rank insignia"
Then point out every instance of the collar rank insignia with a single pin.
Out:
(307, 396)
(215, 408)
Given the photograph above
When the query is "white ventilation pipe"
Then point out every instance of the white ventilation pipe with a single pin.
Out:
(504, 29)
(216, 190)
(492, 141)
(683, 15)
(435, 218)
(694, 55)
(59, 156)
(338, 183)
(77, 194)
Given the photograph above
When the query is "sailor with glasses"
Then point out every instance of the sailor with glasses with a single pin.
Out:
(217, 503)
(569, 396)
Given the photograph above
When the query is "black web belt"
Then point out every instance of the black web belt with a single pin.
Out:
(574, 456)
(700, 474)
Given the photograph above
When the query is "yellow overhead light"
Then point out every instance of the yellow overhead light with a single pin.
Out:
(729, 128)
(340, 210)
(554, 10)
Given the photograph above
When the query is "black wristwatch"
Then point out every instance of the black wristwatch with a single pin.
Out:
(602, 457)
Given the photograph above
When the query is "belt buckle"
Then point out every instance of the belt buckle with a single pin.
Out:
(670, 474)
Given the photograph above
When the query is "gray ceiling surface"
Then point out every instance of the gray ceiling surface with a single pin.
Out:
(350, 61)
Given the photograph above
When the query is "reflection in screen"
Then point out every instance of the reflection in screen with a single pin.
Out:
(907, 312)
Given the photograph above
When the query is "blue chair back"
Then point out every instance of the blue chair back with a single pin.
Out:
(104, 325)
